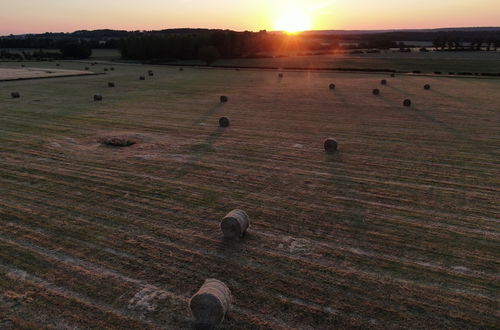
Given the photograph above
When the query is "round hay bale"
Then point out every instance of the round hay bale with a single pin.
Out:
(407, 103)
(112, 69)
(111, 84)
(151, 73)
(106, 69)
(332, 86)
(224, 99)
(142, 78)
(117, 141)
(331, 145)
(97, 97)
(427, 87)
(383, 82)
(224, 121)
(15, 95)
(235, 224)
(280, 75)
(210, 304)
(376, 91)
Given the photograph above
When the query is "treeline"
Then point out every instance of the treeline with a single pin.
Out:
(458, 44)
(229, 44)
(38, 55)
(212, 44)
(56, 41)
(69, 50)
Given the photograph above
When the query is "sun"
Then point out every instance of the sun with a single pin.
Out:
(293, 21)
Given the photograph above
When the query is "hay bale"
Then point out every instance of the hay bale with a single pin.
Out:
(224, 121)
(376, 91)
(15, 95)
(383, 82)
(407, 103)
(235, 224)
(105, 69)
(427, 87)
(224, 99)
(111, 84)
(117, 141)
(331, 145)
(112, 69)
(151, 73)
(280, 75)
(210, 304)
(97, 97)
(142, 78)
(332, 86)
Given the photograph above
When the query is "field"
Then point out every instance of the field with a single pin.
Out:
(445, 62)
(10, 73)
(398, 229)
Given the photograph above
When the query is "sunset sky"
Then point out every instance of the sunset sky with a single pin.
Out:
(35, 16)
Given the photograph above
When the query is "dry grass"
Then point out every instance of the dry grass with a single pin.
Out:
(398, 229)
(10, 73)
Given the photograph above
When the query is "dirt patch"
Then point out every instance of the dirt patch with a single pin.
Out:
(126, 145)
(295, 246)
(147, 300)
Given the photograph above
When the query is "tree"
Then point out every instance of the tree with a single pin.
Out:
(75, 50)
(496, 44)
(209, 54)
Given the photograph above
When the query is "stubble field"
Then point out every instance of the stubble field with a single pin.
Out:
(398, 229)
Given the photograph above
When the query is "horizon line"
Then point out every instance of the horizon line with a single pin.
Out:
(273, 31)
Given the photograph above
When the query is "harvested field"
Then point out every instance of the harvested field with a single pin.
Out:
(397, 229)
(35, 73)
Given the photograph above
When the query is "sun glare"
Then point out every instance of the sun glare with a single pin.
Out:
(293, 21)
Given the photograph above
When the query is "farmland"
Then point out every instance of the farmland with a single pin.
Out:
(36, 73)
(445, 62)
(398, 229)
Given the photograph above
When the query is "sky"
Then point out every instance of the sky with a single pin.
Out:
(38, 16)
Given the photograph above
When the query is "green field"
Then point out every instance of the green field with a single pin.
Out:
(445, 62)
(398, 229)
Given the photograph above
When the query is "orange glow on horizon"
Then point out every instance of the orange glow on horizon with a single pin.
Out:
(29, 16)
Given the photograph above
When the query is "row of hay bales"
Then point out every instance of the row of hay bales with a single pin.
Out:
(376, 91)
(210, 304)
